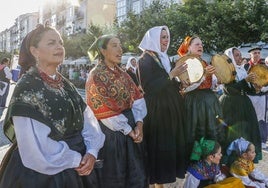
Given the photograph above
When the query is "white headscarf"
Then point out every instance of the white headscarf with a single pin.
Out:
(151, 41)
(129, 64)
(241, 72)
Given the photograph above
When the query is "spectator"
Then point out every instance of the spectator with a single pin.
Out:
(5, 77)
(131, 68)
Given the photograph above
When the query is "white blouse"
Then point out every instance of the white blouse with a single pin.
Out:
(45, 155)
(120, 122)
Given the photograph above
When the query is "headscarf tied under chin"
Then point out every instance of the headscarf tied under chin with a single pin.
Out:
(151, 42)
(94, 51)
(183, 49)
(241, 72)
(202, 148)
(129, 64)
(239, 145)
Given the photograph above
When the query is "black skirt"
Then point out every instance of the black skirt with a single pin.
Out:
(164, 136)
(123, 160)
(16, 175)
(240, 115)
(202, 109)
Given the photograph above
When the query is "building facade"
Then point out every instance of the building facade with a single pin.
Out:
(69, 17)
(10, 39)
(136, 6)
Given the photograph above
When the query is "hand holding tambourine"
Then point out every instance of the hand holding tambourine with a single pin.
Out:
(209, 70)
(261, 74)
(193, 76)
(178, 70)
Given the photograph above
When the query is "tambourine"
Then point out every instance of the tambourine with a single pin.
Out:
(194, 73)
(195, 70)
(261, 72)
(225, 69)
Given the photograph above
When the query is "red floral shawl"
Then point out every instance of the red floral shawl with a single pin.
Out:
(109, 92)
(207, 83)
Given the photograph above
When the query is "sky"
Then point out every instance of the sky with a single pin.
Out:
(11, 9)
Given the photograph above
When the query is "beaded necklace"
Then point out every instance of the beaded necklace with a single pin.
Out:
(55, 83)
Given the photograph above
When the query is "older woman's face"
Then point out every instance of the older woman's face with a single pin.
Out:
(237, 57)
(164, 40)
(113, 53)
(50, 49)
(196, 47)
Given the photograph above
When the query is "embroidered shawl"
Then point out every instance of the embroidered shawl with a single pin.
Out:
(242, 167)
(109, 92)
(207, 83)
(61, 108)
(203, 171)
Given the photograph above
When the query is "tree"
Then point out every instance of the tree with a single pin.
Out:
(219, 23)
(135, 26)
(77, 45)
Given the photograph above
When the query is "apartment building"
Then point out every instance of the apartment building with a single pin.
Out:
(136, 6)
(68, 17)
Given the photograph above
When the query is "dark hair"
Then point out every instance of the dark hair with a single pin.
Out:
(5, 60)
(216, 148)
(26, 59)
(38, 33)
(100, 43)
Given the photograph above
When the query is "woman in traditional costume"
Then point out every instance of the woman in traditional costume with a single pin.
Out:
(238, 110)
(205, 171)
(55, 135)
(202, 105)
(243, 167)
(164, 123)
(120, 108)
(131, 68)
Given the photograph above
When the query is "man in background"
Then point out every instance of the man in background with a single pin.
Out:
(255, 57)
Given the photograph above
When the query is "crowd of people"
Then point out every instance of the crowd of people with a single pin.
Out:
(139, 127)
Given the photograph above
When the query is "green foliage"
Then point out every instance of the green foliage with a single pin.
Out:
(77, 45)
(219, 23)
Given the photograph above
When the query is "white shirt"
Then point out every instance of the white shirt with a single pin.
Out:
(8, 73)
(47, 156)
(120, 122)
